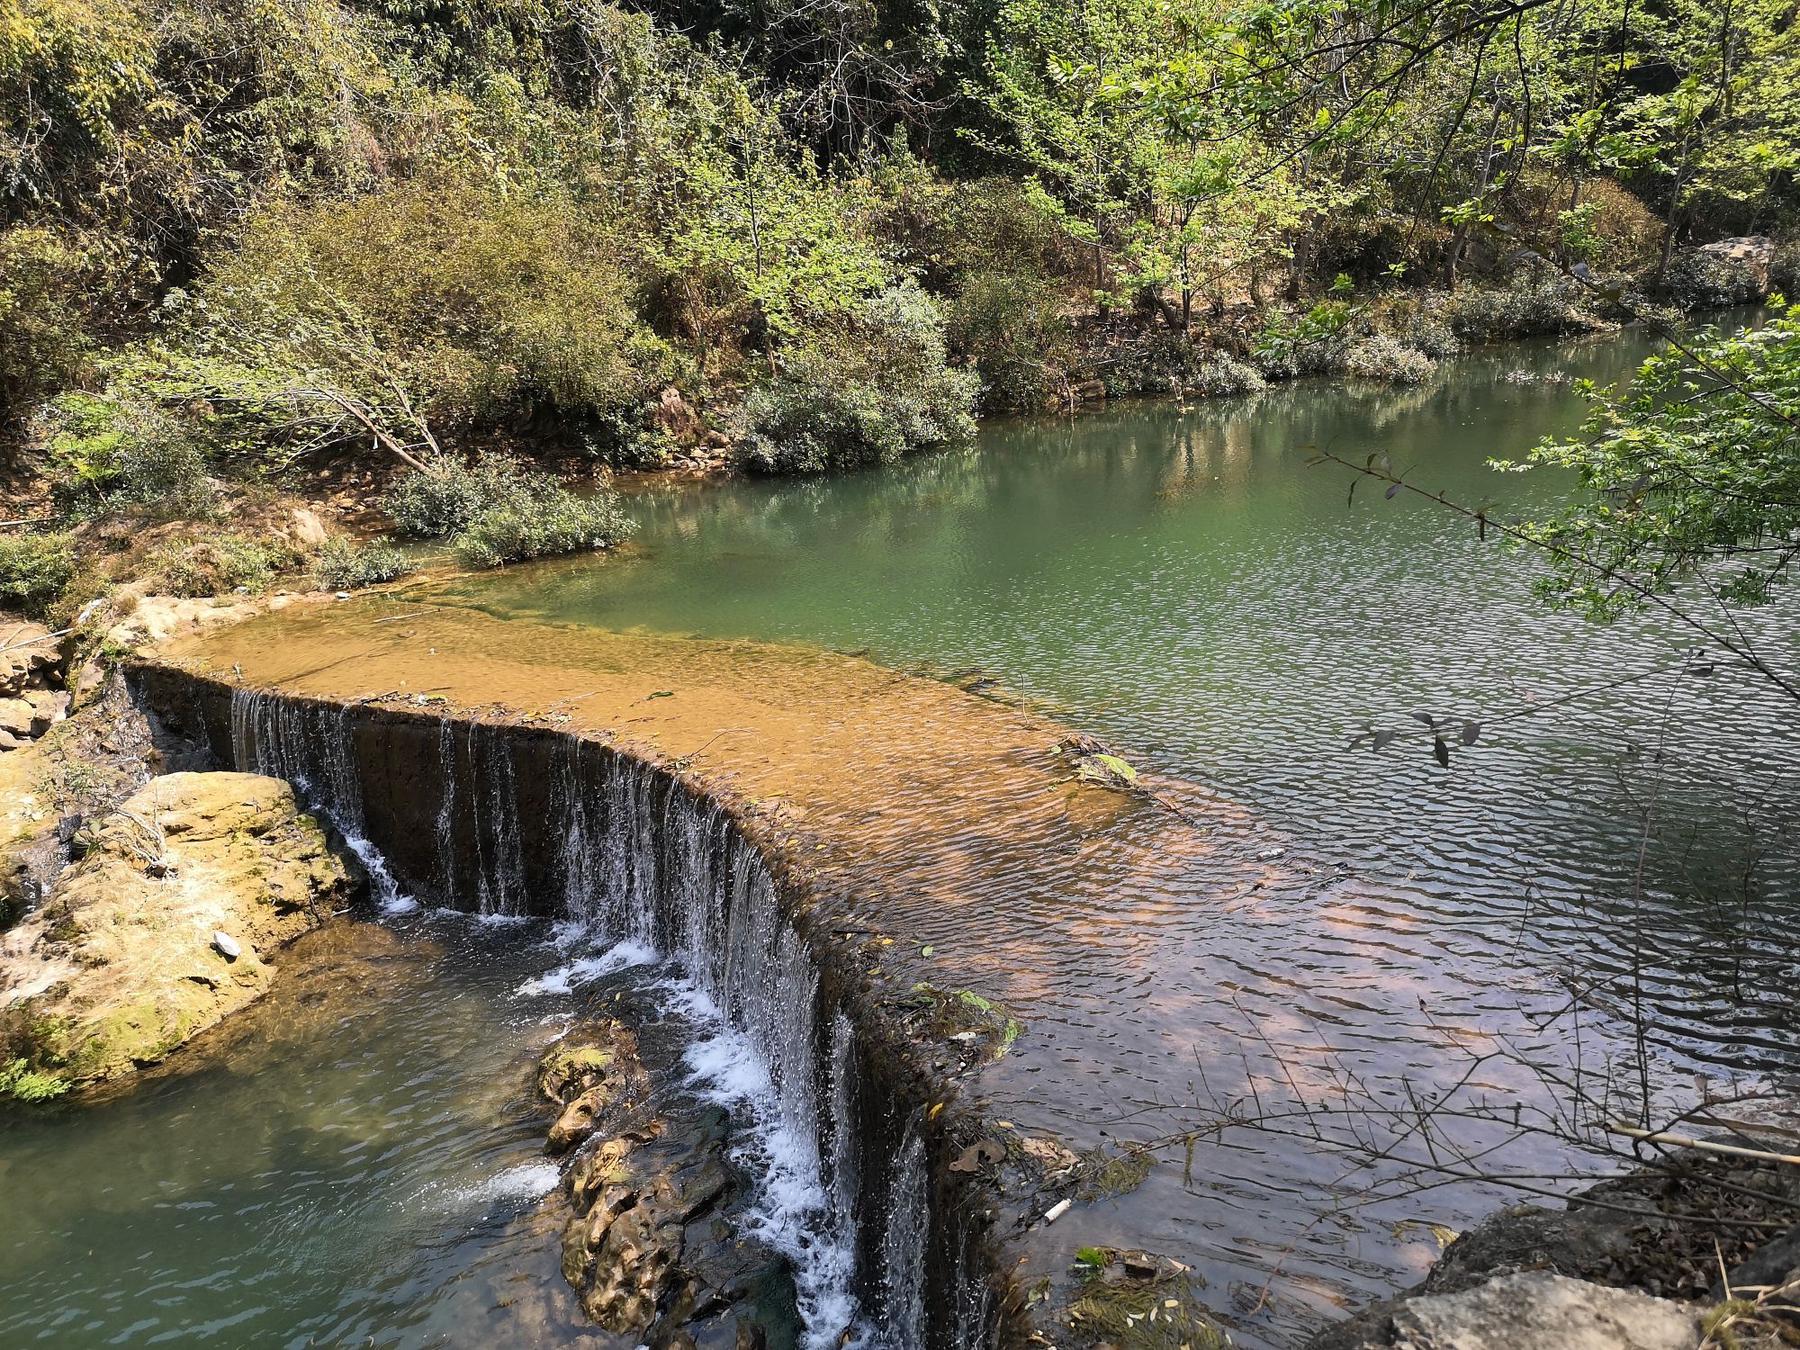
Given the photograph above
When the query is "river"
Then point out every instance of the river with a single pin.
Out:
(1190, 585)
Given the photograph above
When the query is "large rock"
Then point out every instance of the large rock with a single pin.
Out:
(28, 657)
(1544, 1311)
(1755, 253)
(123, 960)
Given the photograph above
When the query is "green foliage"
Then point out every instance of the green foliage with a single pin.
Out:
(343, 564)
(34, 569)
(864, 391)
(447, 494)
(540, 523)
(1700, 281)
(108, 451)
(1388, 359)
(46, 287)
(23, 1083)
(218, 564)
(1308, 344)
(498, 511)
(1691, 470)
(1537, 301)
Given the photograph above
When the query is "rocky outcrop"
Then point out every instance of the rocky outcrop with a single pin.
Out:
(32, 696)
(1543, 1311)
(1632, 1263)
(650, 1246)
(168, 919)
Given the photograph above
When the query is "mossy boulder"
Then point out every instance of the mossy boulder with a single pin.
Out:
(591, 1074)
(168, 920)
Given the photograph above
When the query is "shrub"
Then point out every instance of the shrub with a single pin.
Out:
(1433, 336)
(218, 564)
(343, 564)
(1784, 269)
(499, 511)
(494, 305)
(863, 391)
(1536, 302)
(1700, 280)
(1014, 332)
(444, 497)
(1381, 357)
(1157, 361)
(1309, 344)
(538, 521)
(46, 281)
(34, 569)
(121, 449)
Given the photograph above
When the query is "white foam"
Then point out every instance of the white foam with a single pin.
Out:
(527, 1181)
(388, 894)
(563, 979)
(791, 1207)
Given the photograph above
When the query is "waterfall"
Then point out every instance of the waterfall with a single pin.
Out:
(532, 822)
(903, 1245)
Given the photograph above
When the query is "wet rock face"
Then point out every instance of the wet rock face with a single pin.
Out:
(168, 920)
(652, 1245)
(594, 1078)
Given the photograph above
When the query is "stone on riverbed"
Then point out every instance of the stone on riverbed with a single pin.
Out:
(651, 1248)
(119, 964)
(1543, 1311)
(594, 1075)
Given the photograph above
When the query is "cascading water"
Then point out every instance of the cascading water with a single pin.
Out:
(612, 843)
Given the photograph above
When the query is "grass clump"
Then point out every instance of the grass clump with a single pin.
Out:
(1137, 1302)
(22, 1083)
(539, 522)
(345, 565)
(219, 565)
(1104, 1174)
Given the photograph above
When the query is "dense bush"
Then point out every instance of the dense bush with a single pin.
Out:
(1432, 334)
(1381, 357)
(1312, 343)
(496, 511)
(343, 564)
(1699, 280)
(490, 305)
(47, 283)
(1164, 362)
(1014, 332)
(865, 390)
(34, 569)
(107, 452)
(1537, 301)
(538, 519)
(445, 496)
(1784, 269)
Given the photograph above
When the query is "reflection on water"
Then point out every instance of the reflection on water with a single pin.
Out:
(1188, 585)
(358, 1162)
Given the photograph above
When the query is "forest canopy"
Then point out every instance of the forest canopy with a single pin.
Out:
(239, 238)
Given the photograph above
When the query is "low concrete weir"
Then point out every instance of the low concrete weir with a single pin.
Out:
(508, 819)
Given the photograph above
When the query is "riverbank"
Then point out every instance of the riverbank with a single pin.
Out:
(1698, 1246)
(344, 520)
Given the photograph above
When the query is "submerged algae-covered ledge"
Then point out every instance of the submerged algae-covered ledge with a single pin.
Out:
(485, 811)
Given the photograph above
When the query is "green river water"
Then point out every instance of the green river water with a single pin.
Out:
(1182, 582)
